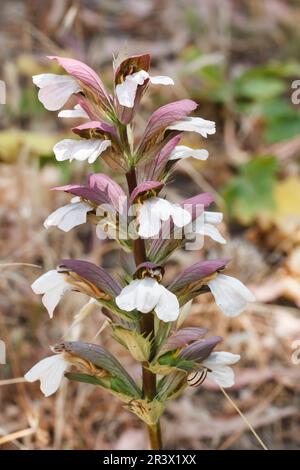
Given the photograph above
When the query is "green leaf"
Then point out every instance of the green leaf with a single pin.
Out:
(259, 88)
(251, 192)
(215, 87)
(283, 128)
(282, 120)
(111, 385)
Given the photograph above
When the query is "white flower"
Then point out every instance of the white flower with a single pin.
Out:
(76, 112)
(53, 285)
(69, 216)
(230, 294)
(126, 91)
(205, 225)
(219, 371)
(181, 152)
(69, 149)
(50, 371)
(155, 210)
(195, 124)
(146, 295)
(55, 90)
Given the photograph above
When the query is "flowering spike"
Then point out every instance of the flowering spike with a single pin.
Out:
(143, 314)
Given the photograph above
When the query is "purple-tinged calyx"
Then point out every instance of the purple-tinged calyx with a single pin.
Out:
(197, 204)
(89, 278)
(100, 189)
(161, 119)
(99, 357)
(200, 350)
(145, 190)
(113, 156)
(95, 129)
(156, 168)
(181, 338)
(192, 281)
(88, 106)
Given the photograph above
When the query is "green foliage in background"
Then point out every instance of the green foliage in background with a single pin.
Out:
(251, 191)
(262, 91)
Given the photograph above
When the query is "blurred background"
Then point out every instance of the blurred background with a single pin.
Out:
(238, 60)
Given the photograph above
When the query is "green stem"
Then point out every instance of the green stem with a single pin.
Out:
(148, 329)
(155, 436)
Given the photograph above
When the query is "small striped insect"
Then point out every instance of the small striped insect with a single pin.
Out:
(197, 377)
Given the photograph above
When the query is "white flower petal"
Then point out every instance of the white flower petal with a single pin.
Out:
(57, 216)
(47, 281)
(45, 79)
(141, 294)
(55, 90)
(154, 210)
(53, 285)
(52, 297)
(182, 151)
(167, 308)
(160, 207)
(126, 300)
(126, 91)
(50, 372)
(149, 221)
(180, 216)
(38, 369)
(230, 294)
(223, 376)
(69, 149)
(76, 112)
(146, 295)
(195, 124)
(138, 77)
(217, 363)
(161, 80)
(68, 216)
(221, 358)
